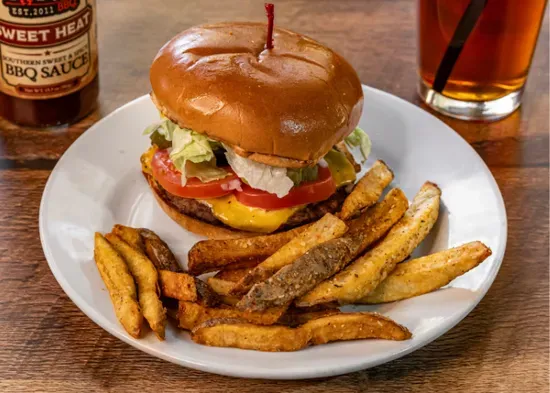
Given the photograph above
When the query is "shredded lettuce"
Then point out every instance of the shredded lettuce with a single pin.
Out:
(205, 171)
(193, 155)
(164, 127)
(358, 137)
(188, 146)
(260, 176)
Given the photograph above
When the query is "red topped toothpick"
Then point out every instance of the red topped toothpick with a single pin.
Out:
(270, 12)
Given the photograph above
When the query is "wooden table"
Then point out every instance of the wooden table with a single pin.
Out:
(48, 345)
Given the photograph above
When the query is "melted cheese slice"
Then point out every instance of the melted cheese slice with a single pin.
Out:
(231, 212)
(146, 159)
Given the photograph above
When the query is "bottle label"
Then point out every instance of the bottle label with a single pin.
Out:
(48, 48)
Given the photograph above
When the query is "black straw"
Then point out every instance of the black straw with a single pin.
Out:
(460, 36)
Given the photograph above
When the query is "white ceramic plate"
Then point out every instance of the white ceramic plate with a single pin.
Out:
(98, 183)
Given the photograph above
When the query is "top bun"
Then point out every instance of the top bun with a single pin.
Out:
(285, 106)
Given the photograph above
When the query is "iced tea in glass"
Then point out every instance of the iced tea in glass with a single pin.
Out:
(479, 65)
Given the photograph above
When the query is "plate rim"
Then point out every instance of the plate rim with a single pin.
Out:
(294, 374)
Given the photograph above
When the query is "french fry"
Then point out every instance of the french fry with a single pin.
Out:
(372, 224)
(243, 264)
(183, 286)
(427, 274)
(146, 277)
(295, 317)
(327, 228)
(367, 190)
(130, 236)
(211, 255)
(233, 275)
(237, 333)
(148, 242)
(158, 251)
(326, 259)
(229, 300)
(365, 273)
(387, 212)
(179, 286)
(354, 326)
(193, 314)
(207, 296)
(120, 284)
(220, 286)
(301, 276)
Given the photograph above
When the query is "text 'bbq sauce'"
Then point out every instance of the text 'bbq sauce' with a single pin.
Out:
(48, 59)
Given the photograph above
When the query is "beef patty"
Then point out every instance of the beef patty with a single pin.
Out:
(310, 213)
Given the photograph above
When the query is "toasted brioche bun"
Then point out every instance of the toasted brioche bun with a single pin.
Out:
(192, 224)
(287, 106)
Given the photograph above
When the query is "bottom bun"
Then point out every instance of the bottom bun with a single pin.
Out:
(192, 224)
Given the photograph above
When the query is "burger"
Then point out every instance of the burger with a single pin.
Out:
(251, 140)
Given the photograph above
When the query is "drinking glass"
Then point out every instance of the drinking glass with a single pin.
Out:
(474, 55)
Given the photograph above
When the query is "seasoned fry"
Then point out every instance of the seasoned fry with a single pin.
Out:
(158, 251)
(327, 228)
(244, 264)
(237, 333)
(120, 284)
(326, 259)
(179, 286)
(183, 286)
(130, 236)
(376, 221)
(295, 317)
(429, 273)
(149, 243)
(223, 282)
(296, 279)
(211, 255)
(233, 275)
(367, 190)
(207, 296)
(353, 326)
(220, 286)
(193, 314)
(146, 277)
(366, 272)
(229, 300)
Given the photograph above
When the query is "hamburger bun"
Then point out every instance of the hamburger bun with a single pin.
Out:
(287, 106)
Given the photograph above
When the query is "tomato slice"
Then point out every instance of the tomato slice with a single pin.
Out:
(170, 179)
(308, 192)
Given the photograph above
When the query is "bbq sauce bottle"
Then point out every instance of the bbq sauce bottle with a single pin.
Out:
(48, 61)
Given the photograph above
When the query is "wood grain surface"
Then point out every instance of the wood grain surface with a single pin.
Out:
(48, 345)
